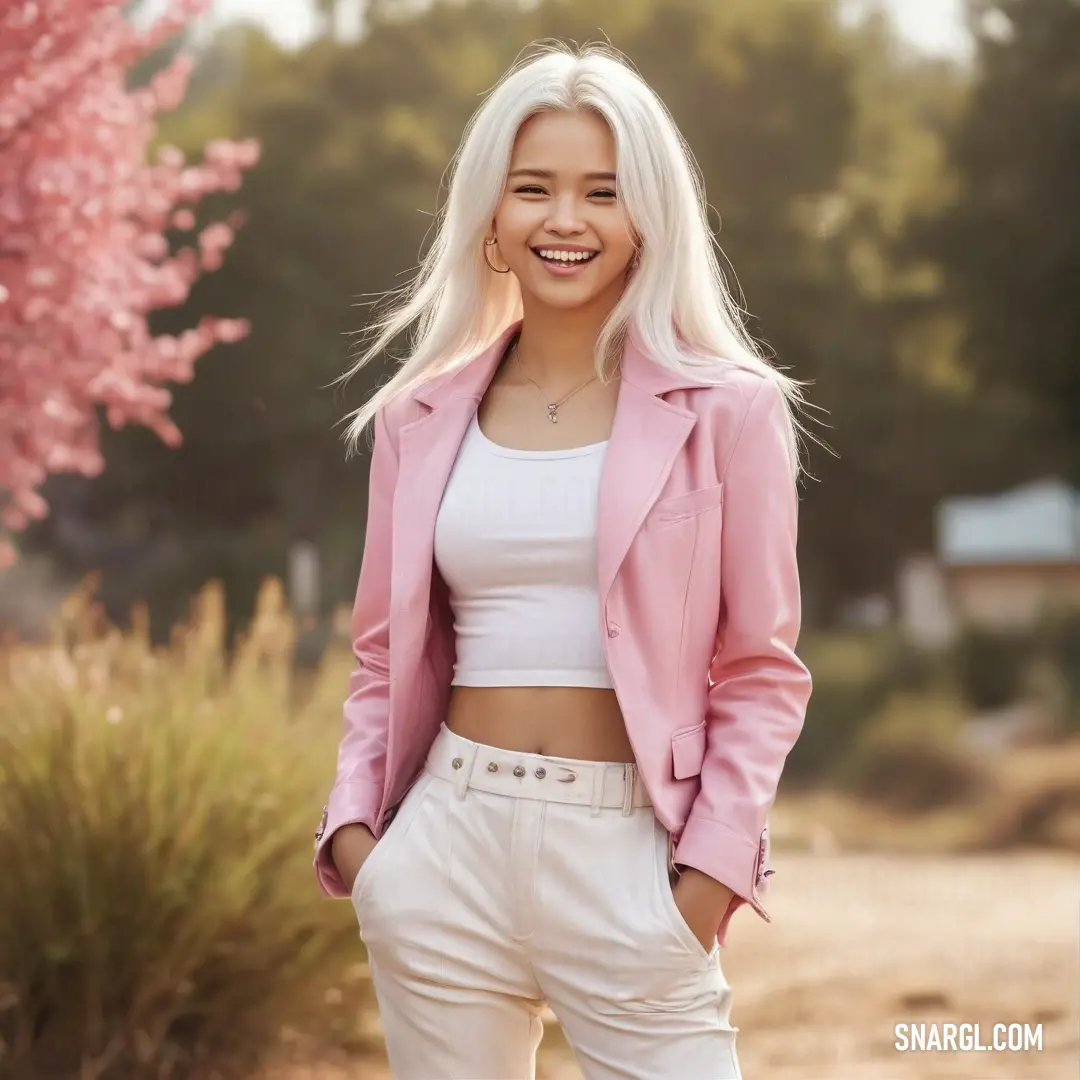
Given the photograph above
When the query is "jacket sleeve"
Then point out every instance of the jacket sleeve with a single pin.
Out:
(361, 766)
(758, 687)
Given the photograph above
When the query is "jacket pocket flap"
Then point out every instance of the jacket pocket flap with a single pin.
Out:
(688, 751)
(688, 504)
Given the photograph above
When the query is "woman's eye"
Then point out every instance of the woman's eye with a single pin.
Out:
(536, 189)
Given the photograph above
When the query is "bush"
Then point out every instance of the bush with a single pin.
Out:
(913, 670)
(992, 667)
(836, 714)
(1059, 640)
(854, 676)
(909, 760)
(158, 913)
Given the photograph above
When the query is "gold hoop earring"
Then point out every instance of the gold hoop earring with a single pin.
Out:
(491, 243)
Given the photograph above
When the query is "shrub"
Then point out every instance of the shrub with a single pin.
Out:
(991, 666)
(910, 761)
(852, 675)
(158, 914)
(1059, 640)
(910, 669)
(836, 714)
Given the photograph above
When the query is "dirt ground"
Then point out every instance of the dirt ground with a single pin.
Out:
(859, 943)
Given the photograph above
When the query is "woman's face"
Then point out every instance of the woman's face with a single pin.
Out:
(559, 224)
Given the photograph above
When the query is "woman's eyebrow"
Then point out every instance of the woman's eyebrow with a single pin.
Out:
(547, 174)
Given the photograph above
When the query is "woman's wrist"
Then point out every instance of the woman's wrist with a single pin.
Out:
(702, 884)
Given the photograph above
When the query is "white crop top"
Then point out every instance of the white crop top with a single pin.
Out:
(515, 542)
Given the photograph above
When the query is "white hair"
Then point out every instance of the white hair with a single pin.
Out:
(676, 304)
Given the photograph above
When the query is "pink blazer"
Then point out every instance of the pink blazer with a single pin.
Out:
(699, 602)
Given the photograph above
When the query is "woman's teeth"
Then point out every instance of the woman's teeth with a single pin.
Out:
(565, 256)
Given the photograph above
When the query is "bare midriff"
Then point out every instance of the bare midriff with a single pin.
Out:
(578, 722)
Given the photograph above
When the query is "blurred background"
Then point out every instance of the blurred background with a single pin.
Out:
(894, 184)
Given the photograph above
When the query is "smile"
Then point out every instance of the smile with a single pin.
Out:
(555, 255)
(564, 263)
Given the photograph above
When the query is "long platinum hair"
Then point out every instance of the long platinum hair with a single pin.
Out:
(676, 304)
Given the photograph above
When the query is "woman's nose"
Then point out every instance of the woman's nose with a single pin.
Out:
(565, 218)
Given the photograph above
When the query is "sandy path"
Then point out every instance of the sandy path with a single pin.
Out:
(859, 943)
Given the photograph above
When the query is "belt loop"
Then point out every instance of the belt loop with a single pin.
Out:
(598, 775)
(628, 790)
(461, 781)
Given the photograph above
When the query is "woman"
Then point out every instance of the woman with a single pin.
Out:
(575, 623)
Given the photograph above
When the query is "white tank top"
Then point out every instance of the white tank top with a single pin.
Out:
(515, 542)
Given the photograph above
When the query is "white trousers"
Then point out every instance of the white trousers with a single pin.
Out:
(507, 880)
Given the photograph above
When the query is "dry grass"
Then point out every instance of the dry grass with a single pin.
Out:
(158, 914)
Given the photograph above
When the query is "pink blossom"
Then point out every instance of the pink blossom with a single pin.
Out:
(84, 258)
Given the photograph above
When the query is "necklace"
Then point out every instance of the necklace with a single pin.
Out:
(553, 406)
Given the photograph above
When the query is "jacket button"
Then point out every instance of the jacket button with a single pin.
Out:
(612, 629)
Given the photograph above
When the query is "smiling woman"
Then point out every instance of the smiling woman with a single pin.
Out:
(560, 220)
(575, 623)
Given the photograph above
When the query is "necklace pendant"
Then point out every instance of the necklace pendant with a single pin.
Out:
(553, 413)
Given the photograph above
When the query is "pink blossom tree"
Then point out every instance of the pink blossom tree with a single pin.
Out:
(84, 252)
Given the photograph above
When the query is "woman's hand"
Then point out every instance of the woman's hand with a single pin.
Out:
(350, 847)
(702, 901)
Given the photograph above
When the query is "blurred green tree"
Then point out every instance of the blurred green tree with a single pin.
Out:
(1009, 242)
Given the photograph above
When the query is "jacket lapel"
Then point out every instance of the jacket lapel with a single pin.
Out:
(646, 438)
(428, 448)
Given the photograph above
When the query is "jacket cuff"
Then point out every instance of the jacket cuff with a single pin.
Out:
(739, 862)
(348, 804)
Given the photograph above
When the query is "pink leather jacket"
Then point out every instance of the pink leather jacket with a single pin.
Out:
(699, 601)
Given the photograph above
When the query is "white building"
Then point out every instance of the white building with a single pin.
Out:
(1001, 562)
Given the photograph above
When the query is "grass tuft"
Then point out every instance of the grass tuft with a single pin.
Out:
(158, 913)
